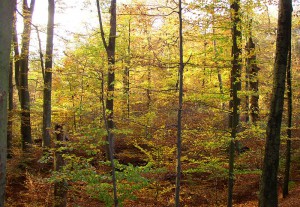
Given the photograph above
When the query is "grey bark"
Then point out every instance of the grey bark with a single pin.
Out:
(253, 70)
(216, 56)
(110, 50)
(23, 75)
(48, 75)
(126, 75)
(10, 110)
(16, 52)
(6, 22)
(235, 86)
(179, 115)
(268, 196)
(108, 110)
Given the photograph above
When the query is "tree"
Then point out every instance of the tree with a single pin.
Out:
(110, 51)
(216, 53)
(6, 22)
(108, 111)
(235, 86)
(23, 75)
(48, 75)
(16, 51)
(252, 70)
(268, 196)
(10, 110)
(179, 113)
(285, 190)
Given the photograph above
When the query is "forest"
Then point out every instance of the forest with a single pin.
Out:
(140, 103)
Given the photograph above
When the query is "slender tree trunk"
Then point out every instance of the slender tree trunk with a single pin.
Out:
(179, 116)
(111, 78)
(110, 50)
(48, 76)
(235, 86)
(216, 56)
(126, 80)
(204, 61)
(148, 92)
(289, 130)
(16, 51)
(253, 80)
(268, 196)
(109, 109)
(10, 111)
(247, 87)
(24, 68)
(6, 22)
(107, 129)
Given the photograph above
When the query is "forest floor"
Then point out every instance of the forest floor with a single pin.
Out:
(27, 187)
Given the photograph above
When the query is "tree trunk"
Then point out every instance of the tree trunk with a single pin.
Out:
(60, 187)
(148, 92)
(10, 110)
(16, 51)
(253, 80)
(108, 113)
(111, 73)
(110, 51)
(268, 196)
(48, 76)
(216, 56)
(6, 22)
(126, 80)
(289, 124)
(179, 116)
(235, 86)
(24, 91)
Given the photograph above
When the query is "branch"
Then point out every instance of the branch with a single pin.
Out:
(32, 4)
(40, 52)
(101, 25)
(188, 59)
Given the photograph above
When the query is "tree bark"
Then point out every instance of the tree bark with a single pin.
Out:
(48, 76)
(285, 190)
(6, 22)
(126, 75)
(179, 115)
(216, 56)
(16, 51)
(253, 80)
(235, 86)
(110, 51)
(268, 196)
(23, 75)
(108, 113)
(10, 110)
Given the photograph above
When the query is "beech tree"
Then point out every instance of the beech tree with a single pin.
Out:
(48, 75)
(268, 196)
(179, 113)
(285, 190)
(10, 110)
(22, 74)
(108, 111)
(6, 22)
(252, 75)
(235, 86)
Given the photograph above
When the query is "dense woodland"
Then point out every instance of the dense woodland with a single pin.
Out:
(153, 103)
